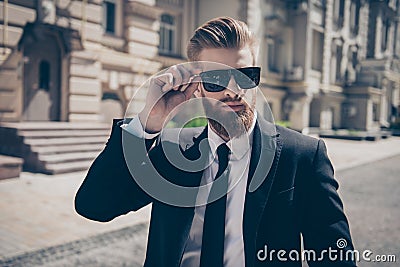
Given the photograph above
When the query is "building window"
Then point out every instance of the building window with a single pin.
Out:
(354, 58)
(354, 16)
(338, 13)
(318, 50)
(338, 63)
(273, 48)
(332, 77)
(375, 111)
(167, 35)
(385, 34)
(44, 75)
(351, 71)
(109, 16)
(396, 37)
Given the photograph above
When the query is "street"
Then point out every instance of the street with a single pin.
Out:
(370, 193)
(371, 196)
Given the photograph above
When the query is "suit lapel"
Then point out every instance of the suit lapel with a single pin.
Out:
(265, 155)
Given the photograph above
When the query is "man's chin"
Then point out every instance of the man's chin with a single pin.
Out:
(233, 123)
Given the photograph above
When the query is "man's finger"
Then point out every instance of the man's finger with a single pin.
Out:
(186, 75)
(164, 81)
(177, 77)
(189, 90)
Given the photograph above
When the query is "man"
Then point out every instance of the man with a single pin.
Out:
(262, 227)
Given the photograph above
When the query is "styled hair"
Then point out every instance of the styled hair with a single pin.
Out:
(222, 32)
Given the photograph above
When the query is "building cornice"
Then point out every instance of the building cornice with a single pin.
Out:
(122, 60)
(144, 10)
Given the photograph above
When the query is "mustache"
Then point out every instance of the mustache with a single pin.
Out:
(232, 99)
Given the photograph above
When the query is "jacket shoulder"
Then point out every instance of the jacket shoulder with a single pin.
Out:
(297, 143)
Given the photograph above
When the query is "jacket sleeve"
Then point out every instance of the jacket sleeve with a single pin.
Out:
(324, 225)
(108, 189)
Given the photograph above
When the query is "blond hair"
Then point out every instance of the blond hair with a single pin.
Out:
(222, 32)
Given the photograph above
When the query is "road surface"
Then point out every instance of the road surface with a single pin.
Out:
(371, 194)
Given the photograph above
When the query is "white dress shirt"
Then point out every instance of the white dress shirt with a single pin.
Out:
(239, 169)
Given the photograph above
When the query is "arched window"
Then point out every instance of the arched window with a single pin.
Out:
(44, 75)
(167, 34)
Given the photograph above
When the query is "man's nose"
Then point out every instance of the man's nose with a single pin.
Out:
(233, 89)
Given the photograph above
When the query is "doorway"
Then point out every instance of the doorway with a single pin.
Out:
(42, 81)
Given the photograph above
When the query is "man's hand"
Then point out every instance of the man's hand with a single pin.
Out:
(166, 92)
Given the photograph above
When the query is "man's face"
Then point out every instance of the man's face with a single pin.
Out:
(232, 107)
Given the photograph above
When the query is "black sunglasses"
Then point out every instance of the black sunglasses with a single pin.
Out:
(218, 80)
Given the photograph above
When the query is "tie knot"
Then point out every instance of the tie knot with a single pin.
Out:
(223, 151)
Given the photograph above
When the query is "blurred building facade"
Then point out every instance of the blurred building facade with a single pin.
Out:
(326, 63)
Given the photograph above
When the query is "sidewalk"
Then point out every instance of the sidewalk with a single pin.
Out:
(346, 154)
(37, 210)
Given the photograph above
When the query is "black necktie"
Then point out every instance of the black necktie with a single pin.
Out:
(212, 248)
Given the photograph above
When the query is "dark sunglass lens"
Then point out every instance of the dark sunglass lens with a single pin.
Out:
(244, 81)
(216, 80)
(248, 78)
(212, 87)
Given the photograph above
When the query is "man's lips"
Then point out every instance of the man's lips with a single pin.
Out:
(233, 105)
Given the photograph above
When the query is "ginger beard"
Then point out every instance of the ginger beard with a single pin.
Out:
(229, 123)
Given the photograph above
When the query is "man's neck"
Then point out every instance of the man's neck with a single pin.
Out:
(224, 137)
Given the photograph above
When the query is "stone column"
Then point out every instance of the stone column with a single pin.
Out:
(384, 104)
(378, 36)
(327, 42)
(299, 114)
(84, 87)
(83, 84)
(363, 29)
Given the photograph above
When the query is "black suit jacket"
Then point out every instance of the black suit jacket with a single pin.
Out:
(297, 197)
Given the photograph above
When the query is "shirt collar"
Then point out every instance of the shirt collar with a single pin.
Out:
(239, 145)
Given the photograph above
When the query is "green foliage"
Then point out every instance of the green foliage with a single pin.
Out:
(353, 132)
(283, 123)
(196, 122)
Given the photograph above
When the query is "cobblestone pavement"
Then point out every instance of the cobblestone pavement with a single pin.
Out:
(123, 247)
(37, 210)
